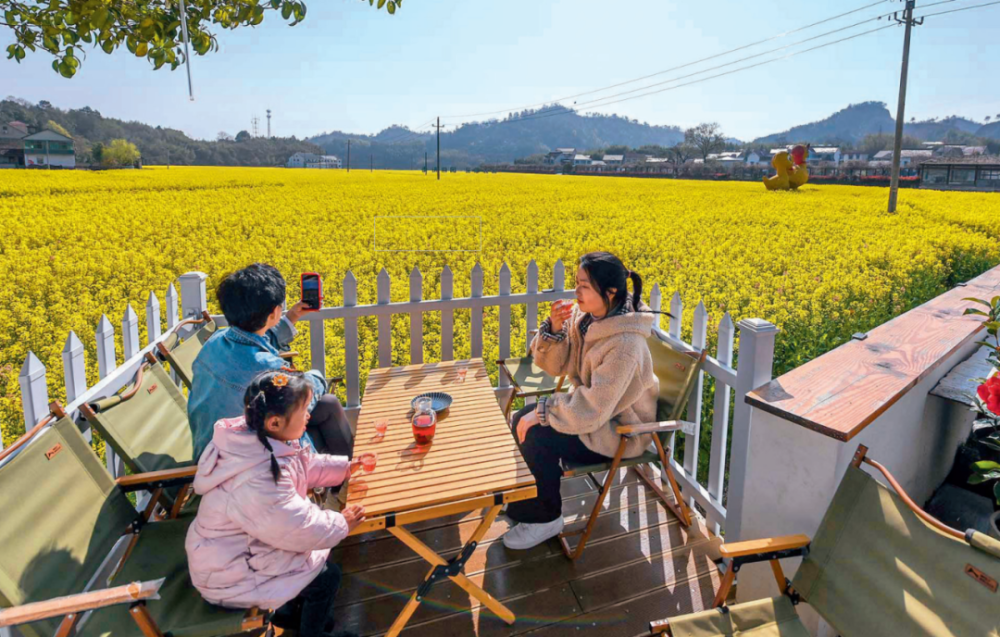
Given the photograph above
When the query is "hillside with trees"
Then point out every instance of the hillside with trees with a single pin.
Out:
(157, 145)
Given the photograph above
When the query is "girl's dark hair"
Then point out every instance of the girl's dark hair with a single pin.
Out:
(606, 271)
(273, 393)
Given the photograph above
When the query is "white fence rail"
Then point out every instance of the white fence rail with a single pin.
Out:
(756, 355)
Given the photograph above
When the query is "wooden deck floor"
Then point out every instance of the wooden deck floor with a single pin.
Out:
(639, 565)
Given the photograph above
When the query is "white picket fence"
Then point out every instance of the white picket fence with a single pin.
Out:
(755, 361)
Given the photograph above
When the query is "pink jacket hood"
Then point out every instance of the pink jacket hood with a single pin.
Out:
(254, 541)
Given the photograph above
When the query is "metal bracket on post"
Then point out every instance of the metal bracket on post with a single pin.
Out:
(451, 569)
(194, 298)
(859, 336)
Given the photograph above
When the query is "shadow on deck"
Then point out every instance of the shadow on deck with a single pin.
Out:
(639, 565)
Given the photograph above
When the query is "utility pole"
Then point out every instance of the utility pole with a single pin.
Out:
(897, 144)
(438, 127)
(425, 162)
(348, 155)
(371, 163)
(269, 123)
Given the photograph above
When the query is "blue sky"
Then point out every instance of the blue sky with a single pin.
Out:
(349, 67)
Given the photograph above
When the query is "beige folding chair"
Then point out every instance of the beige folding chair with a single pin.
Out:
(879, 565)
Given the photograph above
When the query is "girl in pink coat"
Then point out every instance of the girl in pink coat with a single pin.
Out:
(257, 539)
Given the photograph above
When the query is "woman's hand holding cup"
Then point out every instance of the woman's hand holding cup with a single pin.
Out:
(559, 313)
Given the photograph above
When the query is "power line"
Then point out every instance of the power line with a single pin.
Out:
(565, 110)
(675, 68)
(743, 68)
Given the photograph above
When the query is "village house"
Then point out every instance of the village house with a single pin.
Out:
(560, 156)
(973, 172)
(582, 160)
(311, 160)
(12, 144)
(50, 149)
(614, 160)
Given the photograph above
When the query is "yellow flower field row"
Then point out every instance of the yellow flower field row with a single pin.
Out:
(821, 263)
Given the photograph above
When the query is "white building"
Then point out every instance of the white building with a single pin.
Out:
(582, 160)
(325, 161)
(560, 156)
(614, 160)
(299, 160)
(49, 148)
(906, 157)
(824, 154)
(854, 157)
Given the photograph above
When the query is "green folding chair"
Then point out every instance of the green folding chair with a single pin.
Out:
(63, 524)
(677, 371)
(879, 565)
(180, 353)
(527, 379)
(147, 426)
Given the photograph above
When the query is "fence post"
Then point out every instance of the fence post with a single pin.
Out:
(351, 367)
(153, 330)
(171, 306)
(476, 337)
(194, 298)
(384, 321)
(504, 315)
(106, 364)
(74, 371)
(720, 424)
(531, 309)
(130, 333)
(447, 316)
(692, 442)
(755, 364)
(416, 318)
(34, 391)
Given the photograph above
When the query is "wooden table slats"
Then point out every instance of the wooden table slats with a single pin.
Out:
(473, 452)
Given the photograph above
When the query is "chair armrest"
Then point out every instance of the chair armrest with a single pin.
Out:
(157, 479)
(769, 545)
(288, 355)
(81, 602)
(655, 427)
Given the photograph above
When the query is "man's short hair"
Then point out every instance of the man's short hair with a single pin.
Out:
(249, 296)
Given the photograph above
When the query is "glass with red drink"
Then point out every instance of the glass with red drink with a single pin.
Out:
(368, 461)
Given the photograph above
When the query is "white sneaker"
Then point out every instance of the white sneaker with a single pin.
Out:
(525, 536)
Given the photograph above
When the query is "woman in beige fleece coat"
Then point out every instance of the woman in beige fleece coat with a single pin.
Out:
(600, 345)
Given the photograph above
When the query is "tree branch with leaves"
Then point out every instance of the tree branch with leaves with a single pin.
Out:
(149, 29)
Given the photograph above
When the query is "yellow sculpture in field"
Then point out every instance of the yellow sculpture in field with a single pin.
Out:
(790, 175)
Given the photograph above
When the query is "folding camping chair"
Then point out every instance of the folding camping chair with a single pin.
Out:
(63, 524)
(527, 379)
(147, 426)
(677, 371)
(879, 565)
(180, 353)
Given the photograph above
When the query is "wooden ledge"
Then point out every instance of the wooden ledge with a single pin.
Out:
(841, 392)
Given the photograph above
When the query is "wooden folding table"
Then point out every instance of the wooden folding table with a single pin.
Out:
(472, 463)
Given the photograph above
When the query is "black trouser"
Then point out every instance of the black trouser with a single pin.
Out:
(543, 448)
(313, 608)
(329, 428)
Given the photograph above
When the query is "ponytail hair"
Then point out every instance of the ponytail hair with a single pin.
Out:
(273, 393)
(606, 272)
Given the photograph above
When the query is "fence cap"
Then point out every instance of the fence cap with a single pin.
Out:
(757, 326)
(32, 367)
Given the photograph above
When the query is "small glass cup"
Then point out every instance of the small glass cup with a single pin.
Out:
(462, 373)
(368, 461)
(381, 425)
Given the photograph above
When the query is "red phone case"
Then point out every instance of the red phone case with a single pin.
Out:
(319, 279)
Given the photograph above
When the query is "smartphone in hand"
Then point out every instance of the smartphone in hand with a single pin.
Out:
(312, 290)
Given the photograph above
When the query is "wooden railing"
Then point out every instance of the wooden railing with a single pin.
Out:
(715, 497)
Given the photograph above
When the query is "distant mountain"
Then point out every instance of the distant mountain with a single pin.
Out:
(158, 145)
(848, 125)
(990, 131)
(521, 135)
(856, 121)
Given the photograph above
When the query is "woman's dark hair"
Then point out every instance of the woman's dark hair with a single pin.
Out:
(606, 271)
(248, 296)
(273, 393)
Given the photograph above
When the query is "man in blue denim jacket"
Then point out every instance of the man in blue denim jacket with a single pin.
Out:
(251, 301)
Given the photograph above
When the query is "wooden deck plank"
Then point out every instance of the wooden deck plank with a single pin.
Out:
(843, 391)
(576, 509)
(631, 618)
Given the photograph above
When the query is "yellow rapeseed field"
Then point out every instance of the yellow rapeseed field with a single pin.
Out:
(821, 263)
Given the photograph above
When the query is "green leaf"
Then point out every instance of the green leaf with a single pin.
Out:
(970, 310)
(990, 445)
(100, 17)
(996, 492)
(986, 465)
(140, 51)
(979, 478)
(975, 300)
(286, 11)
(381, 3)
(66, 70)
(391, 7)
